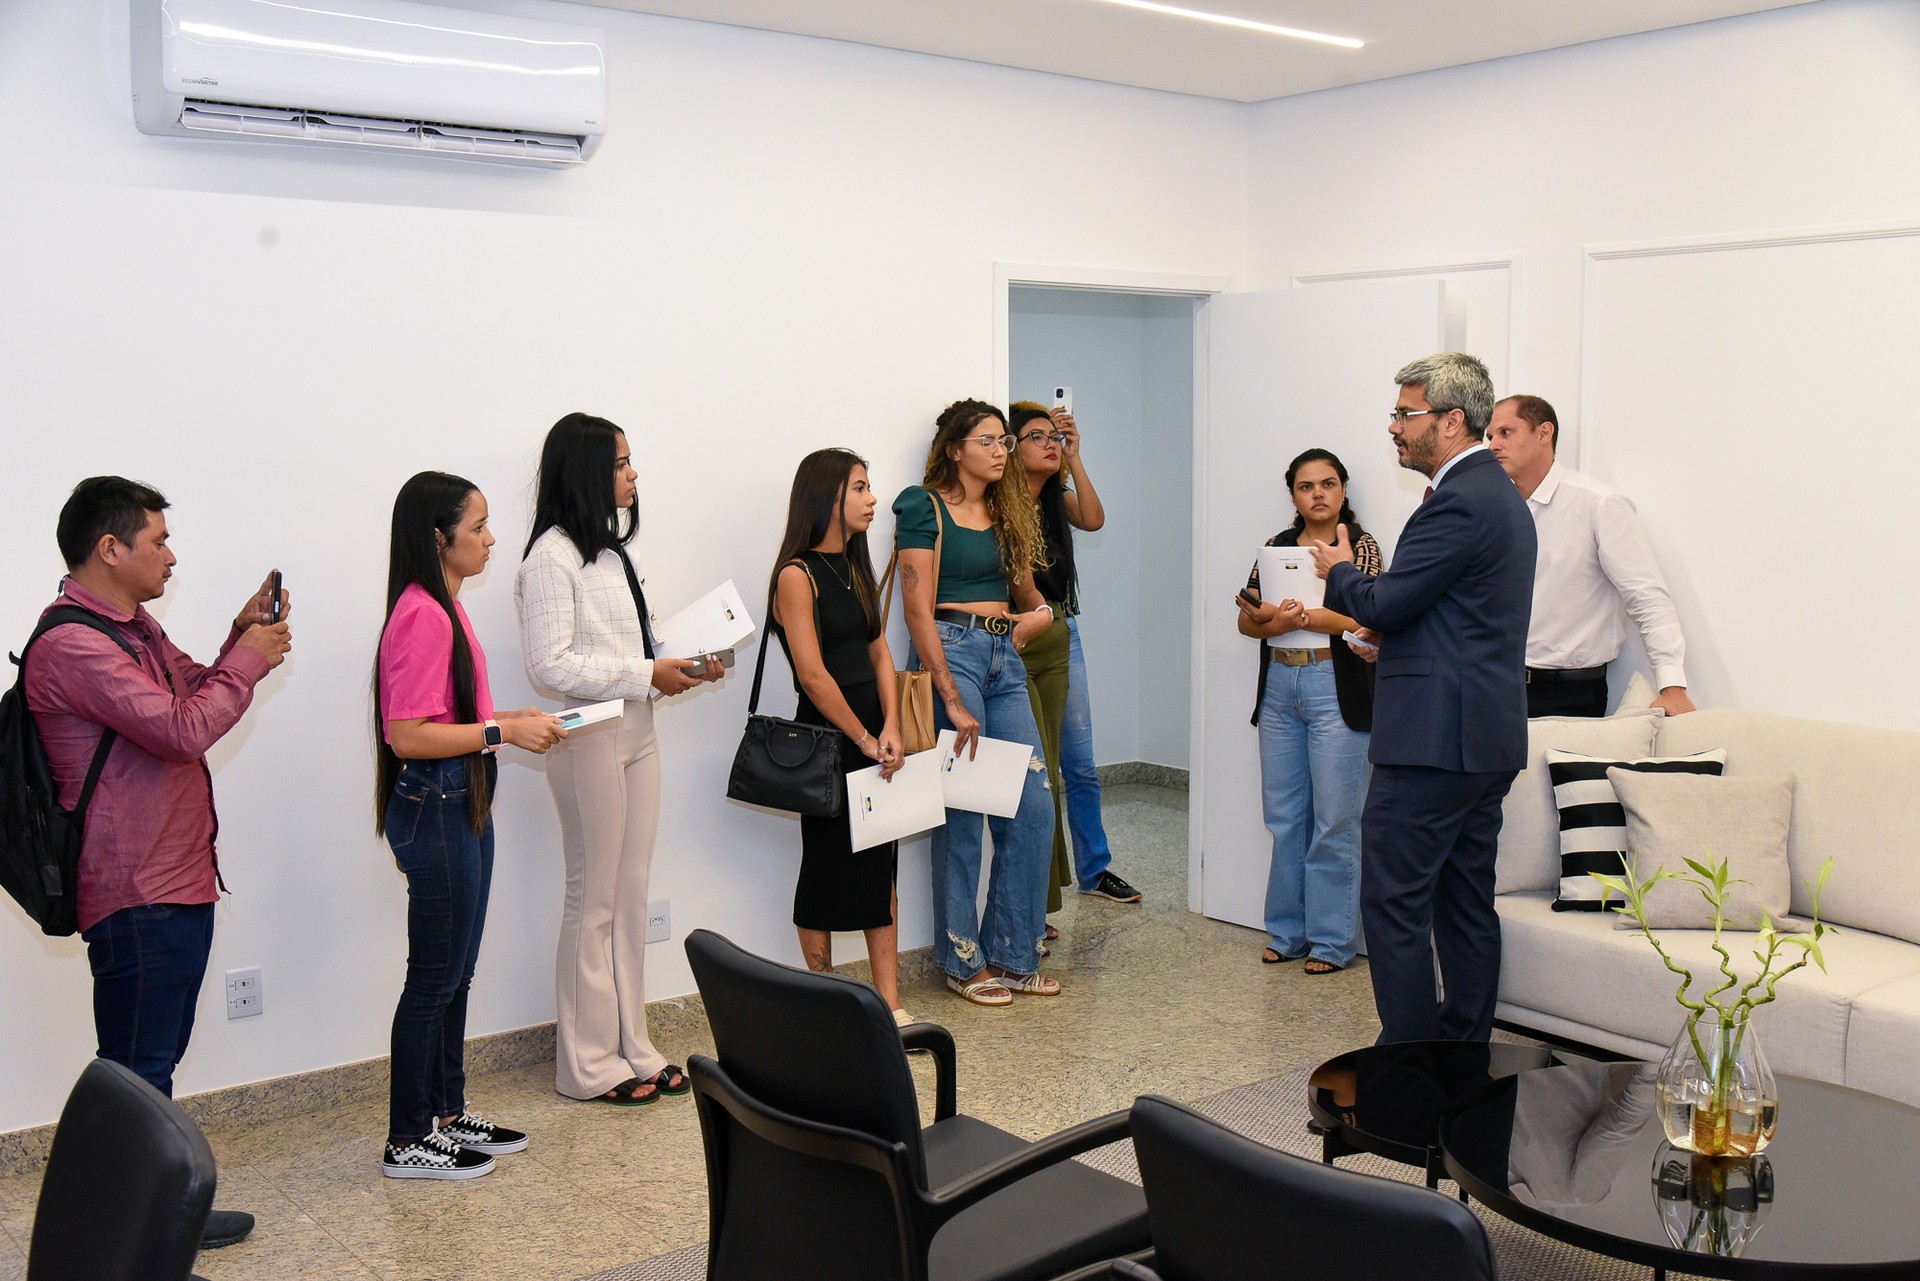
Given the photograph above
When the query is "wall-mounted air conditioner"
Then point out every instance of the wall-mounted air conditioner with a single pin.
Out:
(370, 73)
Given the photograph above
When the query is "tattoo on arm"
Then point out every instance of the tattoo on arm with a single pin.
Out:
(910, 578)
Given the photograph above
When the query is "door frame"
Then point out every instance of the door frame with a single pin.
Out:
(1199, 287)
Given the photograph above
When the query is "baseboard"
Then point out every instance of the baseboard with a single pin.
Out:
(670, 1021)
(1146, 772)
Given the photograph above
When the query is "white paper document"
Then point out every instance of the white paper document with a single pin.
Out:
(718, 620)
(1286, 573)
(991, 782)
(592, 714)
(881, 810)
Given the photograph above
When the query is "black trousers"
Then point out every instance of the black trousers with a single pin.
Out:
(1567, 698)
(1428, 838)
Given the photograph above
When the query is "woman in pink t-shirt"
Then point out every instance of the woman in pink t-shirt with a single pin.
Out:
(435, 732)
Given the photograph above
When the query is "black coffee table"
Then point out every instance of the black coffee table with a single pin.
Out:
(1388, 1099)
(1577, 1152)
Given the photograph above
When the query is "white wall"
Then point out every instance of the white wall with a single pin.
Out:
(1773, 123)
(1129, 360)
(784, 243)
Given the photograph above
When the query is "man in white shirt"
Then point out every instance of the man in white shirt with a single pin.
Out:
(1593, 557)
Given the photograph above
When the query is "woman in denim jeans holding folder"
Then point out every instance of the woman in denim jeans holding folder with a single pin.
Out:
(1315, 714)
(974, 506)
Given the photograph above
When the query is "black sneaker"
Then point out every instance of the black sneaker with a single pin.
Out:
(1107, 885)
(225, 1228)
(434, 1157)
(475, 1133)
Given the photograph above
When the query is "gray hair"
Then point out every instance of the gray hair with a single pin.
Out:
(1453, 380)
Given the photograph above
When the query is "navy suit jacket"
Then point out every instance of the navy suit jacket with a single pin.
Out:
(1452, 614)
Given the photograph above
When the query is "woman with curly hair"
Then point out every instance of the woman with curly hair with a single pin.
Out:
(967, 541)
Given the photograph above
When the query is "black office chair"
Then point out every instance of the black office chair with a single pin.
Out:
(1224, 1207)
(817, 1166)
(128, 1186)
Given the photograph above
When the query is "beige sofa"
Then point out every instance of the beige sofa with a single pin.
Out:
(1856, 798)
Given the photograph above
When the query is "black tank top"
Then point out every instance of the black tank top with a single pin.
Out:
(843, 623)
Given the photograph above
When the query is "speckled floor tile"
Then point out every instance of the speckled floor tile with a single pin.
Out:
(13, 1263)
(19, 1193)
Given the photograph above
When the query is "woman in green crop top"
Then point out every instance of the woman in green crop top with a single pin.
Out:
(969, 615)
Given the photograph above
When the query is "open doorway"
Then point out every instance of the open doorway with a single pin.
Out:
(1128, 358)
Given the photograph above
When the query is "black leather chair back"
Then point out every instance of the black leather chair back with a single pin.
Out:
(1222, 1206)
(824, 1049)
(128, 1186)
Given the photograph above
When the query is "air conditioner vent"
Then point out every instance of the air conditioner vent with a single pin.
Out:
(236, 120)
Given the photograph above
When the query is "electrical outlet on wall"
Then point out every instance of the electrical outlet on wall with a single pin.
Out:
(659, 920)
(244, 994)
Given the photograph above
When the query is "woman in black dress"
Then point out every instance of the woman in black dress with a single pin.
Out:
(826, 613)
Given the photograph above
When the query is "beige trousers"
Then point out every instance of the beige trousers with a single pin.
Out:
(606, 783)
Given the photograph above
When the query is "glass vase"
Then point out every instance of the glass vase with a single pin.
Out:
(1711, 1204)
(1717, 1094)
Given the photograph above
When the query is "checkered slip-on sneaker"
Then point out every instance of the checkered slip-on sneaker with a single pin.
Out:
(434, 1157)
(474, 1132)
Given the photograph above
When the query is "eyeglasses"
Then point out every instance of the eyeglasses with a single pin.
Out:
(1401, 415)
(1002, 443)
(1035, 437)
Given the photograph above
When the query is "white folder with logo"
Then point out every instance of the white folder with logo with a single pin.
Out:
(990, 781)
(1286, 573)
(881, 810)
(718, 620)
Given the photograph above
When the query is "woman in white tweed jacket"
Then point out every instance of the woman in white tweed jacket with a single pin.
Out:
(581, 608)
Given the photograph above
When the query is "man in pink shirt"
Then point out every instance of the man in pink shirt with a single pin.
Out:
(148, 874)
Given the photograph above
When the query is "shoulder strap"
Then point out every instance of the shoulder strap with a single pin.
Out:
(760, 663)
(639, 601)
(61, 617)
(939, 532)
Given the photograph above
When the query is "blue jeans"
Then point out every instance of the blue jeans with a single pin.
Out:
(449, 868)
(993, 686)
(1313, 785)
(1077, 777)
(147, 964)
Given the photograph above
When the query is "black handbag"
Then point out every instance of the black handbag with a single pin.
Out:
(783, 764)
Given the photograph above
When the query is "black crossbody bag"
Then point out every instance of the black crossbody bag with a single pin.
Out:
(784, 764)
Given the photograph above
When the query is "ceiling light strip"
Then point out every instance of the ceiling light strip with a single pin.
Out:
(1345, 42)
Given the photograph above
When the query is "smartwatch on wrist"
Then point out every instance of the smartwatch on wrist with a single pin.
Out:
(494, 738)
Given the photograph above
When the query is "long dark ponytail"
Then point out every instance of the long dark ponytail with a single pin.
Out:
(819, 503)
(431, 503)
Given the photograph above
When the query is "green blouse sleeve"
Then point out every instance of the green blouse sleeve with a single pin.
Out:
(914, 524)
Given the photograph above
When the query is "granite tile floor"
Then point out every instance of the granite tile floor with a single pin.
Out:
(1157, 1000)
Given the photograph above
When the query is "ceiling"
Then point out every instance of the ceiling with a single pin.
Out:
(1101, 41)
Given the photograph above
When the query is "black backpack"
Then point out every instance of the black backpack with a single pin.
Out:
(39, 841)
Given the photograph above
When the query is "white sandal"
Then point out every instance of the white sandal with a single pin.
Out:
(1035, 984)
(902, 1019)
(981, 990)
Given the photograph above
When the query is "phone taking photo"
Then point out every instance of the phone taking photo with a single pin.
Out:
(273, 598)
(1063, 398)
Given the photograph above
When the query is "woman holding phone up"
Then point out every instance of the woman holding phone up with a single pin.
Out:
(1315, 713)
(975, 509)
(435, 732)
(826, 613)
(586, 634)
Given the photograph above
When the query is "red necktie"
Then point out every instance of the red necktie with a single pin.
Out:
(1429, 494)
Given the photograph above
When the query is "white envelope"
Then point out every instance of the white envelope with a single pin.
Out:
(1286, 573)
(591, 714)
(718, 620)
(879, 810)
(991, 782)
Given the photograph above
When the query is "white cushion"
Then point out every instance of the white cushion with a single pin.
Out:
(1575, 966)
(1529, 857)
(1742, 821)
(1883, 1040)
(1638, 695)
(1854, 799)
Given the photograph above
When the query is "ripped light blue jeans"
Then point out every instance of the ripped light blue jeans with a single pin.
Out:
(992, 681)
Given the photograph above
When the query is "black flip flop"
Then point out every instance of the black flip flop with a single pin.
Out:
(623, 1096)
(1276, 958)
(659, 1080)
(1331, 967)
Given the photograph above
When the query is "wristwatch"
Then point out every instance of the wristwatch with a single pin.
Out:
(491, 732)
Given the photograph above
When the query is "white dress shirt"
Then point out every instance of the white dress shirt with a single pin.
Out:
(1593, 557)
(579, 627)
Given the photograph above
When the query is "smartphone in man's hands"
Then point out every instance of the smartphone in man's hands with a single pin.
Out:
(273, 598)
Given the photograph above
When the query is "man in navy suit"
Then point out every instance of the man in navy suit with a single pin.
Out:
(1448, 626)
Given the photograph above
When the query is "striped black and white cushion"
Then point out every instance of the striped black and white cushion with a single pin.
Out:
(1593, 824)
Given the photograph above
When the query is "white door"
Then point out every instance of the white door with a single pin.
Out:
(1279, 373)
